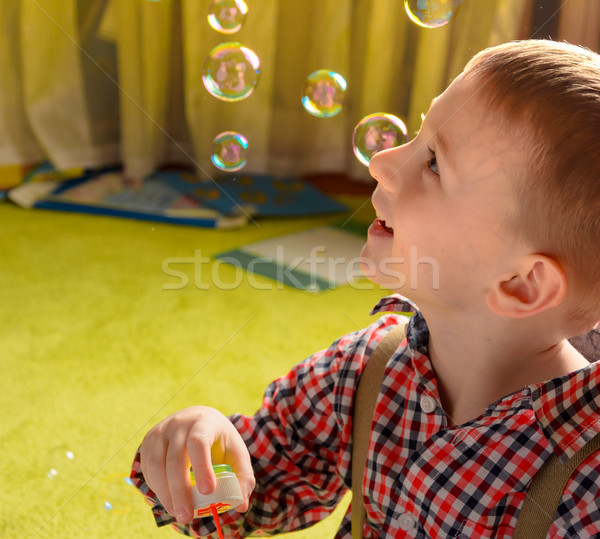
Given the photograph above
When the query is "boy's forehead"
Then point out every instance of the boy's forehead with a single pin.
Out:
(454, 115)
(460, 93)
(465, 107)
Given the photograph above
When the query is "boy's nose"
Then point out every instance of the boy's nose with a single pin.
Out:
(381, 168)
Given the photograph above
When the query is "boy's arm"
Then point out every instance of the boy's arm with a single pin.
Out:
(293, 441)
(298, 442)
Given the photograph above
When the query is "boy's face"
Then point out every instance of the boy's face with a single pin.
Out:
(443, 202)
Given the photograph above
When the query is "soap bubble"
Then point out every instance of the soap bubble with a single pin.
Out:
(377, 132)
(229, 151)
(108, 506)
(52, 473)
(324, 93)
(431, 13)
(231, 71)
(227, 16)
(70, 455)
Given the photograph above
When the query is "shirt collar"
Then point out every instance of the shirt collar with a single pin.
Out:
(565, 408)
(417, 331)
(396, 304)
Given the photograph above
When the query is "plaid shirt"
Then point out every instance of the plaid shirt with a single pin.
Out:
(423, 478)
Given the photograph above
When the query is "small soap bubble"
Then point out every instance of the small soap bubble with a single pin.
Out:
(108, 506)
(229, 151)
(52, 473)
(70, 455)
(227, 16)
(377, 132)
(324, 93)
(431, 13)
(231, 71)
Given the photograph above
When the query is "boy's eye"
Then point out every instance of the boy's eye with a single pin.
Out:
(432, 163)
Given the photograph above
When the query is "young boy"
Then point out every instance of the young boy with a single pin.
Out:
(500, 192)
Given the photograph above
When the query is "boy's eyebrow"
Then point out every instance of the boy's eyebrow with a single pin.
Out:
(440, 143)
(440, 146)
(438, 140)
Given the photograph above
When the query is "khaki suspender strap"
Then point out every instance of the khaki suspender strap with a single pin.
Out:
(364, 408)
(545, 492)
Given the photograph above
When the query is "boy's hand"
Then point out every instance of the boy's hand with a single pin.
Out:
(198, 436)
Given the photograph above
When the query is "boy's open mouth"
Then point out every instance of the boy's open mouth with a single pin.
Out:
(381, 222)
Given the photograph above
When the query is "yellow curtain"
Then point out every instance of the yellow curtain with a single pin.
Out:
(90, 83)
(143, 31)
(17, 141)
(67, 100)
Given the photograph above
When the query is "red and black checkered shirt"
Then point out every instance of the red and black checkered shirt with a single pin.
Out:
(423, 479)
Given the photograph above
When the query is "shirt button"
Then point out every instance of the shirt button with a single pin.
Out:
(428, 404)
(406, 521)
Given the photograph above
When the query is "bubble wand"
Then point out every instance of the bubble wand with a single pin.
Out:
(215, 515)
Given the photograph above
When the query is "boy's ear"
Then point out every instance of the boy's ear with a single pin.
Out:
(537, 284)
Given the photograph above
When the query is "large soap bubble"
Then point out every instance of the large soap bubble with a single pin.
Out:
(229, 151)
(227, 16)
(431, 13)
(377, 132)
(324, 93)
(231, 71)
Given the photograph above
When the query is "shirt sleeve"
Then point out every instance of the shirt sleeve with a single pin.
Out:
(298, 441)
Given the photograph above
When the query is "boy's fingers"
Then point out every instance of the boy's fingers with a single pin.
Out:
(242, 466)
(199, 450)
(152, 455)
(161, 489)
(178, 477)
(247, 483)
(237, 456)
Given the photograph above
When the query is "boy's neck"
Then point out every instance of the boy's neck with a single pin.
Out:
(477, 363)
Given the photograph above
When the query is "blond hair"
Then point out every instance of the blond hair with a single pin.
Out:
(551, 91)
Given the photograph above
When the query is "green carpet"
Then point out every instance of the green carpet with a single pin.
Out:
(94, 352)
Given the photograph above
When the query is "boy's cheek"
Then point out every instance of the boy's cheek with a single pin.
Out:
(392, 273)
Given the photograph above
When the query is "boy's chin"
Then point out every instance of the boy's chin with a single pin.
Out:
(394, 281)
(394, 285)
